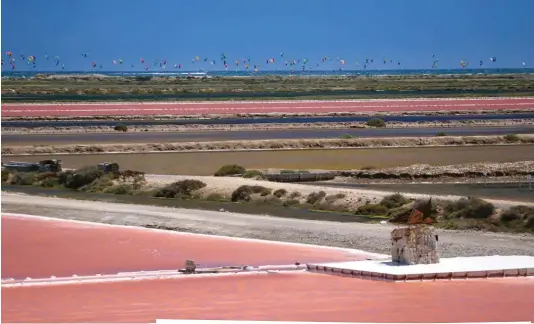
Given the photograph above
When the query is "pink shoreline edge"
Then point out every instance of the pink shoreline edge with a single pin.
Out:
(137, 228)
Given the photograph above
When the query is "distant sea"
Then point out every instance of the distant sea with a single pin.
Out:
(29, 74)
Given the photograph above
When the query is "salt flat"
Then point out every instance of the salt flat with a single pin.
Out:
(460, 267)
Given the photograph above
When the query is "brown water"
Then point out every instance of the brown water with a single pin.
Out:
(206, 163)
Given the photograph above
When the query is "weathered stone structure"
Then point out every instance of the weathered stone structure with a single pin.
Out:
(414, 245)
(417, 243)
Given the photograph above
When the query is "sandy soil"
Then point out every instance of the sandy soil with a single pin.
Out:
(261, 115)
(268, 145)
(353, 197)
(505, 171)
(250, 127)
(368, 237)
(336, 159)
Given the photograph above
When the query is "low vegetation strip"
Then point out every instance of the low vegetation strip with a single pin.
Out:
(425, 171)
(462, 213)
(264, 86)
(272, 145)
(264, 115)
(121, 127)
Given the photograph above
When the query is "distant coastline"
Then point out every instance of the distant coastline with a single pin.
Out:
(313, 73)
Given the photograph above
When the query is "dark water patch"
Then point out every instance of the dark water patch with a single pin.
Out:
(203, 136)
(243, 208)
(8, 97)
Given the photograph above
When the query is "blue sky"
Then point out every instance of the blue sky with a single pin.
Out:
(409, 31)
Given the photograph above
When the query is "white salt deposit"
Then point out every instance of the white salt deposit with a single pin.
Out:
(176, 321)
(446, 265)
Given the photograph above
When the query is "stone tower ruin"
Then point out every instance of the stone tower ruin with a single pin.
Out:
(416, 243)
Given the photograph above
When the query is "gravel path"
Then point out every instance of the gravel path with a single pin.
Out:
(368, 237)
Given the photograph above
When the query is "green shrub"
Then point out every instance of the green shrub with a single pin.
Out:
(242, 194)
(376, 122)
(99, 185)
(332, 198)
(530, 223)
(231, 169)
(511, 138)
(5, 175)
(291, 202)
(143, 78)
(183, 188)
(315, 197)
(399, 214)
(253, 174)
(280, 193)
(63, 176)
(270, 200)
(46, 175)
(394, 201)
(23, 178)
(121, 128)
(372, 210)
(468, 224)
(50, 182)
(469, 208)
(261, 190)
(441, 134)
(120, 189)
(517, 213)
(346, 136)
(330, 206)
(81, 177)
(215, 197)
(295, 194)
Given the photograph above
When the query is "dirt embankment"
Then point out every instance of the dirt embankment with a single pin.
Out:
(265, 115)
(270, 86)
(224, 186)
(272, 145)
(273, 126)
(368, 237)
(350, 198)
(426, 171)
